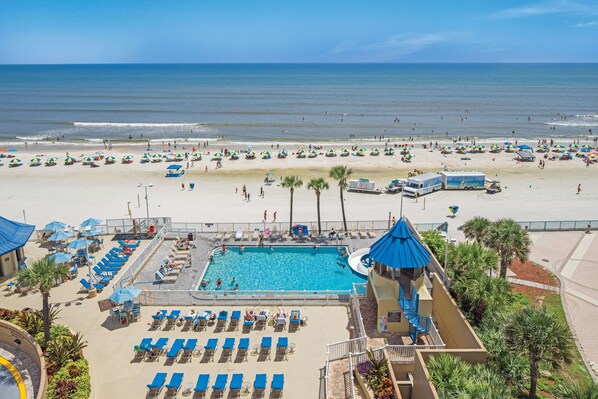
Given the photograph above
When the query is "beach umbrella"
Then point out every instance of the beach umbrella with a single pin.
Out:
(157, 158)
(51, 161)
(389, 151)
(125, 294)
(12, 150)
(375, 151)
(35, 161)
(87, 160)
(146, 155)
(79, 243)
(61, 257)
(110, 159)
(90, 222)
(55, 225)
(558, 146)
(179, 156)
(59, 236)
(266, 155)
(408, 157)
(283, 151)
(507, 143)
(128, 158)
(69, 160)
(93, 232)
(482, 147)
(573, 147)
(331, 151)
(250, 154)
(196, 156)
(15, 162)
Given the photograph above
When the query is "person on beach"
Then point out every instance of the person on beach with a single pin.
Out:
(265, 215)
(578, 189)
(274, 217)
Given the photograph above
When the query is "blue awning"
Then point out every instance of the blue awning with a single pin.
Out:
(174, 167)
(400, 249)
(13, 235)
(525, 147)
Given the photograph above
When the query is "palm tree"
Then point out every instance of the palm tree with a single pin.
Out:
(291, 182)
(476, 228)
(587, 390)
(540, 336)
(479, 294)
(341, 174)
(471, 256)
(318, 185)
(448, 374)
(43, 274)
(507, 238)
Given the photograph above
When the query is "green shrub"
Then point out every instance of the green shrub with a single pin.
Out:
(77, 372)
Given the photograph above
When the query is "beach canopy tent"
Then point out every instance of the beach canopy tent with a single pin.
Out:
(59, 236)
(174, 171)
(125, 294)
(61, 257)
(525, 147)
(13, 235)
(79, 243)
(54, 226)
(526, 156)
(91, 222)
(303, 229)
(400, 249)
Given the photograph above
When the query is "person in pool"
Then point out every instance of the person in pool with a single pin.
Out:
(242, 248)
(271, 248)
(223, 248)
(204, 284)
(236, 287)
(233, 280)
(219, 283)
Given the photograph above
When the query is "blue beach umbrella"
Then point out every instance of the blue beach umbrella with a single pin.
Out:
(93, 232)
(59, 236)
(79, 243)
(91, 222)
(61, 257)
(55, 226)
(125, 294)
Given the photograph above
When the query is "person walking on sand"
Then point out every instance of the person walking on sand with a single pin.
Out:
(183, 186)
(578, 189)
(274, 217)
(265, 215)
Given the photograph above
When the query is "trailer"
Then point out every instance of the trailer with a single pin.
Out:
(466, 180)
(422, 184)
(363, 185)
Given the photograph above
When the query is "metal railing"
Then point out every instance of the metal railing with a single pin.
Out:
(559, 225)
(232, 298)
(435, 335)
(355, 307)
(124, 226)
(341, 350)
(405, 354)
(142, 257)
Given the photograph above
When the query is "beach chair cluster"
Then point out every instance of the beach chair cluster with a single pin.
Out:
(177, 258)
(362, 233)
(220, 385)
(197, 321)
(105, 270)
(278, 320)
(181, 349)
(240, 234)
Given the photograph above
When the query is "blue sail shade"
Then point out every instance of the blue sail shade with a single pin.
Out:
(400, 249)
(13, 235)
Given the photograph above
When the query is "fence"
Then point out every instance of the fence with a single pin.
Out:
(358, 289)
(341, 350)
(560, 225)
(142, 257)
(121, 226)
(233, 298)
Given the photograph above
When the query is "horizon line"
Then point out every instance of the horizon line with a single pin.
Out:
(315, 63)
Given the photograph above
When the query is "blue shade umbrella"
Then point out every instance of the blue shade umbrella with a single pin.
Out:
(79, 243)
(400, 249)
(93, 232)
(125, 294)
(61, 257)
(91, 222)
(12, 150)
(59, 236)
(55, 226)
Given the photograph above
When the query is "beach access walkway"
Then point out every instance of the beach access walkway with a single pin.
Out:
(573, 257)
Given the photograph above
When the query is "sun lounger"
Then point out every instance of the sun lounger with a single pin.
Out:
(102, 273)
(210, 348)
(265, 347)
(239, 234)
(158, 318)
(86, 285)
(259, 385)
(220, 384)
(352, 233)
(227, 236)
(189, 320)
(165, 279)
(262, 318)
(156, 385)
(175, 349)
(277, 384)
(173, 316)
(372, 233)
(188, 349)
(295, 319)
(157, 348)
(255, 235)
(247, 325)
(173, 386)
(222, 319)
(281, 321)
(99, 279)
(243, 348)
(202, 320)
(202, 383)
(281, 347)
(234, 319)
(236, 383)
(228, 348)
(143, 347)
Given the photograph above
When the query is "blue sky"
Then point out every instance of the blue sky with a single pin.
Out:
(215, 31)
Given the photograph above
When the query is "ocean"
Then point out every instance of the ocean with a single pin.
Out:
(296, 102)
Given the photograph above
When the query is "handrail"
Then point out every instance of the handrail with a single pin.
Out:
(352, 377)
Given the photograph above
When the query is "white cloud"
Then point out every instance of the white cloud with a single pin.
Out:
(587, 24)
(546, 8)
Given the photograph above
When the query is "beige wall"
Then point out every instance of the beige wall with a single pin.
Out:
(452, 325)
(9, 333)
(9, 264)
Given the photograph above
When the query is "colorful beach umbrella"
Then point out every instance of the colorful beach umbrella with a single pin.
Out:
(87, 159)
(55, 225)
(51, 161)
(35, 161)
(196, 156)
(69, 160)
(15, 162)
(408, 157)
(218, 155)
(110, 159)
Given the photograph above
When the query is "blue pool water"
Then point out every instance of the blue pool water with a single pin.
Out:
(284, 268)
(8, 386)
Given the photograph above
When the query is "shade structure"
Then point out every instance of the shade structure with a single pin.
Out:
(91, 222)
(93, 232)
(13, 235)
(400, 249)
(59, 236)
(61, 257)
(125, 294)
(55, 225)
(79, 243)
(525, 147)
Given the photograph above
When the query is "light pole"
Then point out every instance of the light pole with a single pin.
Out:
(92, 289)
(146, 200)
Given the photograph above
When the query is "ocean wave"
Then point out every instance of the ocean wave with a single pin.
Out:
(577, 123)
(35, 137)
(134, 124)
(587, 116)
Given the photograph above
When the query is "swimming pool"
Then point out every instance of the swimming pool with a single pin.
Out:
(9, 389)
(281, 268)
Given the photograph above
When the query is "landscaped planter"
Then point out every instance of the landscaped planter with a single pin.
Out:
(375, 379)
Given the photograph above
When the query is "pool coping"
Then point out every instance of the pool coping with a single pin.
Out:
(16, 374)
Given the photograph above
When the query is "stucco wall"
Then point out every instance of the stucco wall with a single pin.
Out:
(9, 333)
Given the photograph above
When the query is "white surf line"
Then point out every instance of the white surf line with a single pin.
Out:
(573, 263)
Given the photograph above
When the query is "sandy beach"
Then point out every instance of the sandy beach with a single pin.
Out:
(73, 193)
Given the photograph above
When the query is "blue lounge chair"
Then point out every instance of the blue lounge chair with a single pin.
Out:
(247, 325)
(259, 384)
(202, 383)
(176, 347)
(210, 348)
(156, 349)
(188, 349)
(281, 347)
(222, 319)
(99, 279)
(156, 386)
(142, 348)
(228, 348)
(202, 320)
(102, 273)
(86, 285)
(236, 383)
(174, 385)
(172, 317)
(234, 319)
(158, 318)
(243, 348)
(277, 384)
(106, 268)
(220, 384)
(265, 347)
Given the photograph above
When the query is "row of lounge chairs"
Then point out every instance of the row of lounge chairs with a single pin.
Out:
(173, 264)
(362, 233)
(147, 349)
(105, 270)
(219, 387)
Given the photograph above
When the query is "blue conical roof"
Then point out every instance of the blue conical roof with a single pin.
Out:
(400, 249)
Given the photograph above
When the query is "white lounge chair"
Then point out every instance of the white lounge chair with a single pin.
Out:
(239, 234)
